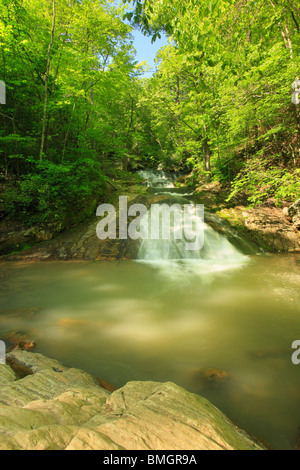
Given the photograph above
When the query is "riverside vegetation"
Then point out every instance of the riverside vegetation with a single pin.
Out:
(79, 114)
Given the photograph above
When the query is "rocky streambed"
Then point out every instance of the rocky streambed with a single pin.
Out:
(267, 229)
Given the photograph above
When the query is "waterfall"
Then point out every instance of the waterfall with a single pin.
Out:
(157, 178)
(173, 254)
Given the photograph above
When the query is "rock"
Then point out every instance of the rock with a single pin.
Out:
(19, 340)
(294, 208)
(235, 233)
(264, 226)
(20, 312)
(210, 374)
(297, 442)
(251, 230)
(285, 211)
(24, 346)
(165, 416)
(106, 385)
(16, 238)
(20, 370)
(7, 375)
(294, 213)
(296, 221)
(50, 410)
(34, 362)
(203, 379)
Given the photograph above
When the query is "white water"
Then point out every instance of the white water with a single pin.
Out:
(157, 178)
(172, 255)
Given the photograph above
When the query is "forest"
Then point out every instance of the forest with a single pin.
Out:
(79, 113)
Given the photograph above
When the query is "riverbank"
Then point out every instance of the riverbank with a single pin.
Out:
(45, 405)
(271, 228)
(265, 229)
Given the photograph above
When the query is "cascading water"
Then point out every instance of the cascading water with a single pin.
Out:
(157, 178)
(173, 254)
(159, 182)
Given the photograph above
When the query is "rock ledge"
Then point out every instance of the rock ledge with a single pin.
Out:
(55, 407)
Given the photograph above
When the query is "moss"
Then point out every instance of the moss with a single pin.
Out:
(19, 249)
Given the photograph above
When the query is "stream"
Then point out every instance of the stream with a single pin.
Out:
(169, 317)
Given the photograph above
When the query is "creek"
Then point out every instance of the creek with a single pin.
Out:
(216, 321)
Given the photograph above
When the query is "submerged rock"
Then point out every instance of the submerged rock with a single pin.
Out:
(56, 407)
(202, 380)
(17, 340)
(210, 374)
(24, 346)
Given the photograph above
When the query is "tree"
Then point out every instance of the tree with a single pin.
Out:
(237, 60)
(71, 77)
(46, 80)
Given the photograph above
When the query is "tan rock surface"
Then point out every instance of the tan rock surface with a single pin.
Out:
(56, 407)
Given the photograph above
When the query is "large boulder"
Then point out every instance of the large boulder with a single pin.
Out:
(56, 407)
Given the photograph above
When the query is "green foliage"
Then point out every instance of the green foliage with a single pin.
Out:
(221, 100)
(77, 110)
(72, 88)
(226, 169)
(53, 192)
(261, 184)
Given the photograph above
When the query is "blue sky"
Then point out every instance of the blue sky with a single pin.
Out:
(145, 50)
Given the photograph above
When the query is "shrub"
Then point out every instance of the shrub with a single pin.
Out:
(261, 182)
(53, 191)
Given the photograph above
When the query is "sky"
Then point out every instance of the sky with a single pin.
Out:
(147, 51)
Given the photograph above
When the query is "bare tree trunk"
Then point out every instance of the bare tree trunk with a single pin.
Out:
(44, 121)
(284, 32)
(206, 159)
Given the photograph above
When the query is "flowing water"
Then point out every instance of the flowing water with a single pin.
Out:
(168, 317)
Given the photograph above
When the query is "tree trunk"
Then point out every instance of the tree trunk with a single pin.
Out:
(44, 121)
(284, 31)
(206, 159)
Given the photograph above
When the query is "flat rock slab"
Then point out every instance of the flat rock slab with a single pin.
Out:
(56, 407)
